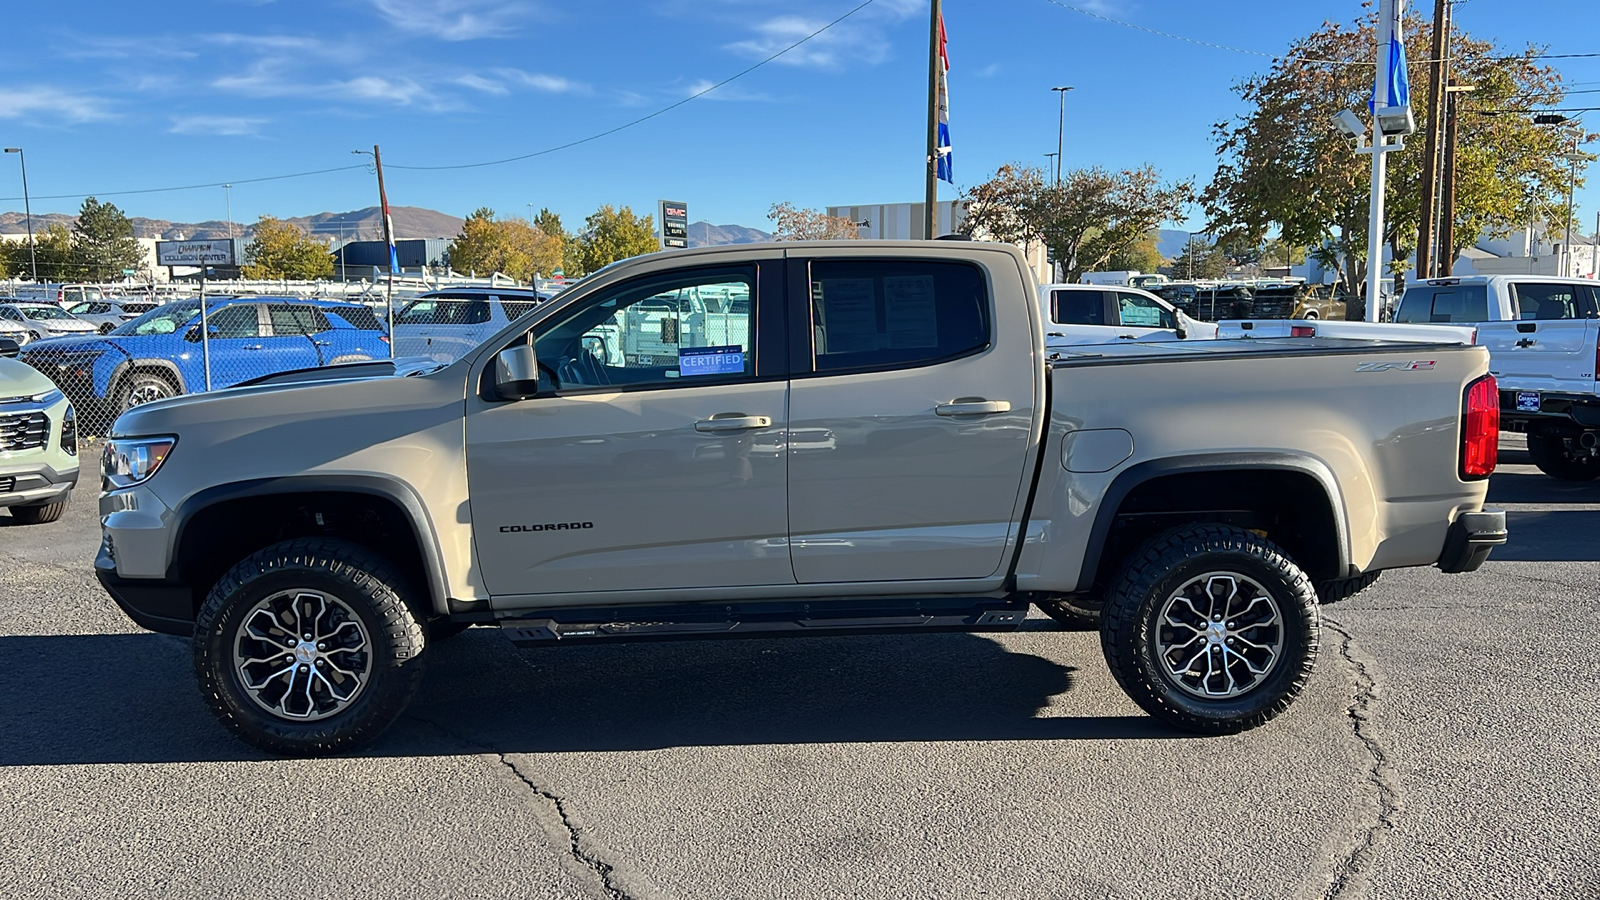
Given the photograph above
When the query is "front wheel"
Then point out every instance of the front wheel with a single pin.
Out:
(1211, 628)
(40, 515)
(1555, 456)
(308, 647)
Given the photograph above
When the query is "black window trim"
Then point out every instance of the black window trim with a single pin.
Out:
(768, 340)
(802, 336)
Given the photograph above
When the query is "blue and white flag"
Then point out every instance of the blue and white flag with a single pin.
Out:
(946, 173)
(1391, 90)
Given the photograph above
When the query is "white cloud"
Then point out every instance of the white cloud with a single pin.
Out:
(453, 20)
(550, 84)
(726, 92)
(216, 125)
(859, 39)
(40, 103)
(989, 71)
(479, 83)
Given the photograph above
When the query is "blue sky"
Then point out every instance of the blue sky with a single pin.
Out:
(116, 96)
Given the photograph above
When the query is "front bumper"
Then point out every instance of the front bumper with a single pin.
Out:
(34, 485)
(152, 603)
(1472, 535)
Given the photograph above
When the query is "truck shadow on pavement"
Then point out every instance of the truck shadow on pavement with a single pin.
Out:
(130, 698)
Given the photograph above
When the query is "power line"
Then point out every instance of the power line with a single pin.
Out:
(594, 137)
(644, 118)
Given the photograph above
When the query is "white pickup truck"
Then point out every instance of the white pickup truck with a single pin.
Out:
(882, 444)
(1543, 336)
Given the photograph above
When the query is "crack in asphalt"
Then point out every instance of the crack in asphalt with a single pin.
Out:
(581, 845)
(1381, 776)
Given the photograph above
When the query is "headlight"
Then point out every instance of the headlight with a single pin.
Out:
(69, 431)
(129, 461)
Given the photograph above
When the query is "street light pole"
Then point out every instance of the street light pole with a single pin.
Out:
(1061, 123)
(27, 211)
(227, 191)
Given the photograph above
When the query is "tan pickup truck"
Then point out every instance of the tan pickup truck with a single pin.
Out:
(842, 438)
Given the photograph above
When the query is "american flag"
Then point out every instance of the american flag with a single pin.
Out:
(946, 173)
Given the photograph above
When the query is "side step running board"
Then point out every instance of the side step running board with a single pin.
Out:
(764, 620)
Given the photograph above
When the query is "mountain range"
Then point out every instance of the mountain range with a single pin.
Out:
(362, 224)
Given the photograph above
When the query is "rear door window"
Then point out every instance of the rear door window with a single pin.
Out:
(871, 314)
(1078, 307)
(1539, 301)
(1430, 303)
(292, 319)
(1143, 312)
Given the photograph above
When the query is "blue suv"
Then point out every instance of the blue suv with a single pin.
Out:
(158, 355)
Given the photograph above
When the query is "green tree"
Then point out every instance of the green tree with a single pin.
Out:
(282, 250)
(1277, 253)
(550, 223)
(791, 224)
(1143, 255)
(611, 234)
(1285, 168)
(511, 247)
(104, 242)
(1201, 258)
(1087, 218)
(54, 253)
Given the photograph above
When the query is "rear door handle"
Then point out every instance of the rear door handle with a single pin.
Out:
(732, 422)
(975, 407)
(251, 347)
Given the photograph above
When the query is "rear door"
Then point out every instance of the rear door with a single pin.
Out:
(301, 337)
(238, 346)
(910, 419)
(1144, 318)
(1549, 346)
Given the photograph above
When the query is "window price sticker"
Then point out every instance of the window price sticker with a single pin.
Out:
(694, 361)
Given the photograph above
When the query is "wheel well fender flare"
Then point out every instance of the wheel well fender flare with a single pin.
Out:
(122, 369)
(1136, 475)
(384, 487)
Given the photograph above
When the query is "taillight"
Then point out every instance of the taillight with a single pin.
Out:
(1480, 429)
(1302, 331)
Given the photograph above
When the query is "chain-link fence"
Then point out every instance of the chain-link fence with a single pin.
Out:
(180, 348)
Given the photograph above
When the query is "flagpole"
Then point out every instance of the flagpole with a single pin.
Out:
(388, 238)
(930, 217)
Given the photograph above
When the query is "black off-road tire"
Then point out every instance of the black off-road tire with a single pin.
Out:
(1549, 452)
(1074, 613)
(360, 579)
(1336, 589)
(39, 515)
(1159, 568)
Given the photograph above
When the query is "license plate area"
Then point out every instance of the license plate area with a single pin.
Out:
(1527, 401)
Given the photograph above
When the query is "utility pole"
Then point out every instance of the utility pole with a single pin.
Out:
(227, 191)
(388, 237)
(27, 212)
(1061, 122)
(930, 215)
(1438, 70)
(1446, 257)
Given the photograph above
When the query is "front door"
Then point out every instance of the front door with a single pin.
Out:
(910, 423)
(641, 471)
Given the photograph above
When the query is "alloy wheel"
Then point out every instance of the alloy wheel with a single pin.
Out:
(302, 655)
(1219, 635)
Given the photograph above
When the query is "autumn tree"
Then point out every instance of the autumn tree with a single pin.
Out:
(103, 242)
(282, 250)
(1143, 255)
(1285, 168)
(791, 224)
(611, 234)
(511, 247)
(550, 223)
(1085, 219)
(53, 252)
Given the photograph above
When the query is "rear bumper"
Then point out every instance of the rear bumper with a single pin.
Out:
(152, 603)
(1555, 410)
(1472, 535)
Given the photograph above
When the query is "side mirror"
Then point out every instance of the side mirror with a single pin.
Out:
(9, 348)
(516, 372)
(1182, 328)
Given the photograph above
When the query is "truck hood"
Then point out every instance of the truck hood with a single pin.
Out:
(316, 406)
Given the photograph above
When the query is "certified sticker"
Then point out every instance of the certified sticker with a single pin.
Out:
(1527, 401)
(694, 361)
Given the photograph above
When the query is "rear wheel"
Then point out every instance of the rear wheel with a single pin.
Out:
(1211, 628)
(39, 515)
(308, 647)
(1560, 457)
(1335, 589)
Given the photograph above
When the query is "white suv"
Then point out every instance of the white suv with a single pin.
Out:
(38, 442)
(1543, 335)
(445, 325)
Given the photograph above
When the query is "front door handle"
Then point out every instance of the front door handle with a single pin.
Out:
(732, 422)
(972, 406)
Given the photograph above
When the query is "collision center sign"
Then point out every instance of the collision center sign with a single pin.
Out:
(194, 253)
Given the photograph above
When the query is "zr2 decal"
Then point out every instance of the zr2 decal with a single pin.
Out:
(1415, 365)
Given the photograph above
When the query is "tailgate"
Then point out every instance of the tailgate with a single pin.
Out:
(1552, 356)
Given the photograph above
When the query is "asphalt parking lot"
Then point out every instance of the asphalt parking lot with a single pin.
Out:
(1449, 745)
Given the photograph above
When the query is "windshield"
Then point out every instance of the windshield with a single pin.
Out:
(161, 320)
(45, 312)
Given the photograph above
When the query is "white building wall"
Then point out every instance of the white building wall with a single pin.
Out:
(904, 222)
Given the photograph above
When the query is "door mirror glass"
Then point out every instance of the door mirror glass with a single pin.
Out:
(516, 372)
(9, 348)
